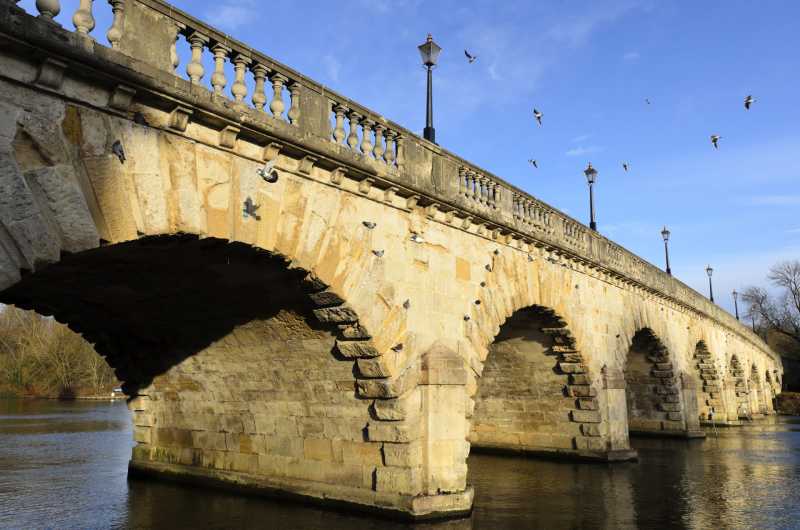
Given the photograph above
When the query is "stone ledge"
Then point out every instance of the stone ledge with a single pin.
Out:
(622, 455)
(391, 505)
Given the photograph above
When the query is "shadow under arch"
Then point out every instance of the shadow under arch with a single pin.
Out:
(655, 401)
(711, 404)
(149, 304)
(739, 391)
(535, 394)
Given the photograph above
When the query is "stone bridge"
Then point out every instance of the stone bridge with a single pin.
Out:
(347, 332)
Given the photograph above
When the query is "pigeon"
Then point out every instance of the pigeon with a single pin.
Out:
(625, 166)
(477, 302)
(497, 252)
(470, 58)
(466, 318)
(378, 253)
(416, 238)
(488, 267)
(749, 100)
(530, 258)
(250, 208)
(534, 163)
(268, 172)
(646, 100)
(538, 115)
(117, 149)
(715, 140)
(397, 347)
(406, 304)
(369, 224)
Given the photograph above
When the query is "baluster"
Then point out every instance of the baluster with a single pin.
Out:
(490, 193)
(277, 106)
(462, 179)
(515, 206)
(378, 150)
(218, 80)
(338, 131)
(195, 69)
(239, 89)
(526, 211)
(476, 188)
(114, 34)
(366, 136)
(48, 9)
(260, 73)
(352, 138)
(389, 155)
(468, 191)
(497, 195)
(173, 47)
(484, 190)
(83, 20)
(400, 151)
(294, 109)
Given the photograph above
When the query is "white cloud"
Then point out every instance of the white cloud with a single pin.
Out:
(631, 56)
(584, 150)
(776, 200)
(581, 138)
(233, 14)
(332, 67)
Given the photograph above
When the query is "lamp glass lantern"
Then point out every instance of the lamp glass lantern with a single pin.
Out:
(591, 174)
(709, 271)
(665, 234)
(429, 52)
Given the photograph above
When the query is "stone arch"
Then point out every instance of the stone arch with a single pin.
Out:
(758, 395)
(710, 389)
(740, 391)
(535, 394)
(652, 393)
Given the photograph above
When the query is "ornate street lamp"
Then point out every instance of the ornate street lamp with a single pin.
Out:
(736, 303)
(429, 51)
(710, 271)
(665, 235)
(591, 178)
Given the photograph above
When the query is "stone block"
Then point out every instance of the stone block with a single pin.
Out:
(402, 480)
(587, 404)
(669, 407)
(590, 429)
(353, 349)
(336, 315)
(579, 379)
(583, 443)
(585, 416)
(402, 454)
(572, 368)
(361, 453)
(581, 391)
(318, 449)
(395, 432)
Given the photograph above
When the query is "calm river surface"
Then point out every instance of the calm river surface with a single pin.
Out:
(63, 465)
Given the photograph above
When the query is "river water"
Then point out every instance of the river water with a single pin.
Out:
(63, 465)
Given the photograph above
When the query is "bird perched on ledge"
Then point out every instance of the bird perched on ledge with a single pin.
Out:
(117, 149)
(268, 172)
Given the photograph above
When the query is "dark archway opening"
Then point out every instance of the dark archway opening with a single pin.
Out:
(652, 395)
(149, 304)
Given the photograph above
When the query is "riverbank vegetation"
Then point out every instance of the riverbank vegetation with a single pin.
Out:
(41, 358)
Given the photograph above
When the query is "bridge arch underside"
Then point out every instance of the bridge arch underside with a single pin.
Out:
(231, 363)
(656, 403)
(535, 394)
(711, 403)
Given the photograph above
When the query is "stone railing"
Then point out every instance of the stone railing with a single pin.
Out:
(324, 127)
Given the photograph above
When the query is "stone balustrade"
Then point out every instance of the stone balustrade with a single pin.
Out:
(377, 141)
(333, 129)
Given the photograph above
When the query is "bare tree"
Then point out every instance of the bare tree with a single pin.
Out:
(778, 312)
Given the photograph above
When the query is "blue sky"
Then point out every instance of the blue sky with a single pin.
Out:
(588, 66)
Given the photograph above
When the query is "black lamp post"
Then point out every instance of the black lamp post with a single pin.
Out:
(736, 303)
(710, 271)
(591, 178)
(665, 235)
(429, 51)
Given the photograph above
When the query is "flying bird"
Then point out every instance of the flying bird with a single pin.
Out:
(268, 172)
(117, 149)
(749, 100)
(533, 162)
(471, 58)
(625, 166)
(715, 140)
(538, 115)
(369, 224)
(647, 100)
(250, 209)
